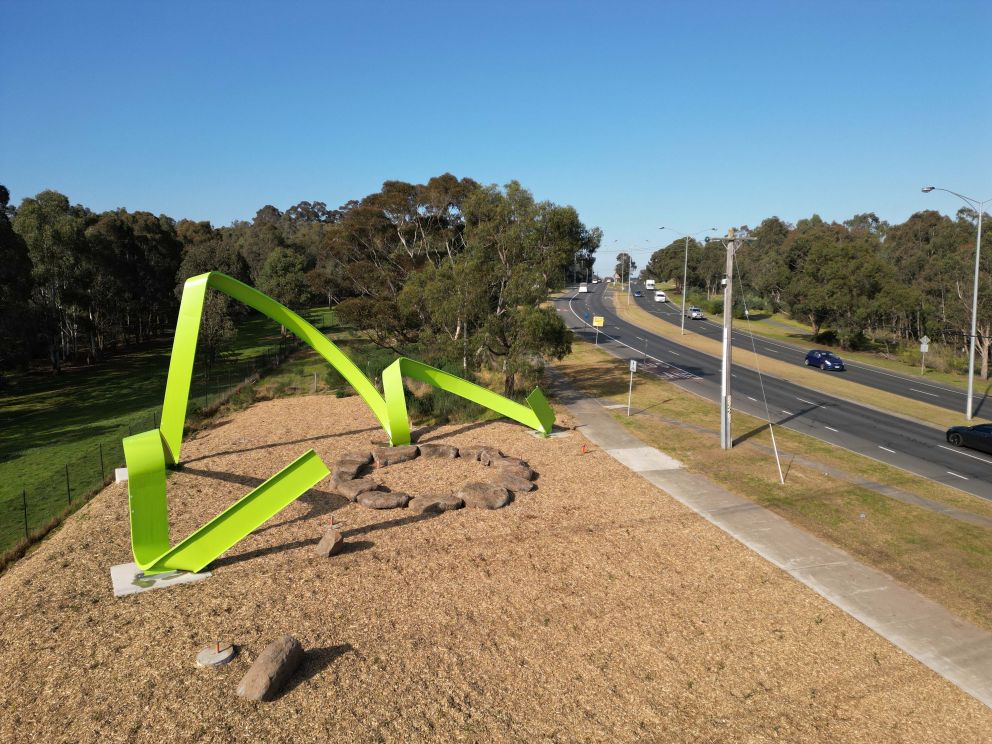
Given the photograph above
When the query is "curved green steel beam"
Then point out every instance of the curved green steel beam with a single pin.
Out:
(537, 414)
(147, 454)
(184, 351)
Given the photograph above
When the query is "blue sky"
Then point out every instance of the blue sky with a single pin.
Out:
(688, 114)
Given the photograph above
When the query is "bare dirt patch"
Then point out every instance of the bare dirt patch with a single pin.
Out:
(594, 608)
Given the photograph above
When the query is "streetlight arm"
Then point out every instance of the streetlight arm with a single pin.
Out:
(980, 205)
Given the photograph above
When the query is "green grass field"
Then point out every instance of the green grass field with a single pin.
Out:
(51, 425)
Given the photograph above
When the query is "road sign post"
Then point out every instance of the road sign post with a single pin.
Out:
(597, 323)
(924, 348)
(630, 390)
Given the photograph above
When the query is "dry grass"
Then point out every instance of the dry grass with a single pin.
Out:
(831, 384)
(941, 557)
(594, 609)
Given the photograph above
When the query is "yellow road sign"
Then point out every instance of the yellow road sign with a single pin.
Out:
(598, 321)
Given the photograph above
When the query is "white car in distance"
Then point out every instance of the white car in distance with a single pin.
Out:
(660, 296)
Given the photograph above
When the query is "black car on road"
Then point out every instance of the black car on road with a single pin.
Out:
(977, 437)
(824, 360)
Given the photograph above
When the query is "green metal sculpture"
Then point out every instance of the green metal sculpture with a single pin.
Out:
(147, 454)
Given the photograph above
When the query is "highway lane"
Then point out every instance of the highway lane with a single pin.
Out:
(893, 382)
(915, 447)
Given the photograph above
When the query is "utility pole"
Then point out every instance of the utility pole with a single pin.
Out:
(732, 242)
(726, 437)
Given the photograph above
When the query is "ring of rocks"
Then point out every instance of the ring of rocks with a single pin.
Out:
(514, 476)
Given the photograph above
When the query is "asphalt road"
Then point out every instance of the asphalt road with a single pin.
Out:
(905, 385)
(915, 447)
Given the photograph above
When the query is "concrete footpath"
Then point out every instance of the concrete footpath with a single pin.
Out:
(957, 650)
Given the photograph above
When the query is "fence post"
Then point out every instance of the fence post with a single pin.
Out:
(24, 503)
(68, 493)
(103, 472)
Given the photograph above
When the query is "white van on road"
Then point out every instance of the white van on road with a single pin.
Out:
(583, 287)
(660, 297)
(649, 284)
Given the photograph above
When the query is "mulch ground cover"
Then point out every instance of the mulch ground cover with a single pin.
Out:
(594, 608)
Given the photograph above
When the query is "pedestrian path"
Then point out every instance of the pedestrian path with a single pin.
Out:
(959, 651)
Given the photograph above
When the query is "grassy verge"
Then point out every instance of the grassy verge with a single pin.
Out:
(780, 327)
(60, 436)
(831, 384)
(943, 558)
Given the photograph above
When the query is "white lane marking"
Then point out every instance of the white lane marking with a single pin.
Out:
(616, 340)
(805, 401)
(924, 392)
(787, 413)
(951, 472)
(959, 452)
(770, 351)
(675, 353)
(887, 449)
(831, 428)
(754, 399)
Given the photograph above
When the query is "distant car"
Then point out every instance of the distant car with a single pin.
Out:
(595, 281)
(694, 313)
(660, 297)
(583, 287)
(638, 293)
(824, 360)
(977, 437)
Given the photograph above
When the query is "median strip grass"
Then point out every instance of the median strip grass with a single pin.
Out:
(831, 384)
(943, 558)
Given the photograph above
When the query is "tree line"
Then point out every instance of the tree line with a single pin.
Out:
(450, 267)
(858, 283)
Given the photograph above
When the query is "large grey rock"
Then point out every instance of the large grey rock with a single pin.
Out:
(351, 489)
(512, 482)
(436, 504)
(272, 669)
(487, 455)
(438, 450)
(385, 456)
(384, 500)
(349, 469)
(483, 495)
(330, 544)
(363, 456)
(507, 462)
(521, 471)
(482, 453)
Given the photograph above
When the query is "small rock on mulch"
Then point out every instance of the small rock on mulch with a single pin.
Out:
(484, 495)
(330, 544)
(272, 669)
(436, 504)
(351, 489)
(384, 500)
(438, 450)
(385, 456)
(512, 482)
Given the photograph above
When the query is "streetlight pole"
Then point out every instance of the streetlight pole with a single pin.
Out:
(685, 267)
(980, 206)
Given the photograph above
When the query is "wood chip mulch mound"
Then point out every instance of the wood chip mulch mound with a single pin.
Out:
(593, 609)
